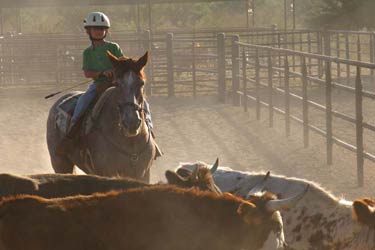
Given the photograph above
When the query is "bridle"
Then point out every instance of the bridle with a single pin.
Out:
(136, 106)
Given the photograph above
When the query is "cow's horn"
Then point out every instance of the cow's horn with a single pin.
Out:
(215, 166)
(274, 205)
(259, 186)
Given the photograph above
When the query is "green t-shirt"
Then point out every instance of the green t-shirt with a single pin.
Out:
(97, 60)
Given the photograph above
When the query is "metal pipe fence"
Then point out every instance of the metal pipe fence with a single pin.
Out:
(258, 60)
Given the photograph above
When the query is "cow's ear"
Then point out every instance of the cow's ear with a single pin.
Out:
(363, 211)
(183, 172)
(173, 178)
(114, 59)
(247, 211)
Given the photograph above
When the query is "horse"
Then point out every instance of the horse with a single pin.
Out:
(116, 140)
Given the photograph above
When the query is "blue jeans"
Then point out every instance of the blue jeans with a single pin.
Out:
(83, 103)
(90, 94)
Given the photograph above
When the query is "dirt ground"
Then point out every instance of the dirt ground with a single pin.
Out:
(188, 129)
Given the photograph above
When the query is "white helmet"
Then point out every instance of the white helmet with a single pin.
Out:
(96, 19)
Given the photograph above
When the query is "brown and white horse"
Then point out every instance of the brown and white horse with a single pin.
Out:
(120, 144)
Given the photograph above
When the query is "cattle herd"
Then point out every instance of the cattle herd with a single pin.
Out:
(199, 208)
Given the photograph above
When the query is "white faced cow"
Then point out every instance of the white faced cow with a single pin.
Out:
(320, 221)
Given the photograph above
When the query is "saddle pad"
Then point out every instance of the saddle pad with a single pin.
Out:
(69, 103)
(65, 111)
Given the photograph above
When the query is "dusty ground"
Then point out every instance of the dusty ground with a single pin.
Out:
(188, 130)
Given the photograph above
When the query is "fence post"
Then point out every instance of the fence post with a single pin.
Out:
(235, 70)
(147, 47)
(221, 66)
(270, 90)
(244, 79)
(305, 107)
(329, 111)
(359, 126)
(170, 65)
(371, 41)
(320, 51)
(257, 82)
(309, 49)
(287, 96)
(359, 57)
(338, 53)
(327, 43)
(194, 71)
(347, 54)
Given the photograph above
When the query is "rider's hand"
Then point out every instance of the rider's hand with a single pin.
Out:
(107, 73)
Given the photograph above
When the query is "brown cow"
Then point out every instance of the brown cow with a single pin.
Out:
(62, 185)
(147, 218)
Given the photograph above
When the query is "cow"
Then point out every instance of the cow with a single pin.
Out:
(319, 220)
(148, 218)
(62, 185)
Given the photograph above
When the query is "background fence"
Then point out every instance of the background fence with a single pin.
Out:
(300, 74)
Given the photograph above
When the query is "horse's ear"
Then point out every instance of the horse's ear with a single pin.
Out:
(142, 61)
(114, 60)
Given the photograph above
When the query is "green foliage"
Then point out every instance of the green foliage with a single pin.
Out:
(345, 14)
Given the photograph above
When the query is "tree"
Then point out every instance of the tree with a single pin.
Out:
(345, 14)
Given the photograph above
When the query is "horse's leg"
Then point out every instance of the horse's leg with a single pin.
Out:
(61, 164)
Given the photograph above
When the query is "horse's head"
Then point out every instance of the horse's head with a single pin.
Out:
(128, 74)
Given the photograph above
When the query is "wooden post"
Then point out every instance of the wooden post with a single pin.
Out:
(270, 90)
(371, 43)
(359, 57)
(327, 43)
(147, 47)
(257, 82)
(287, 97)
(338, 55)
(253, 7)
(320, 51)
(194, 71)
(244, 79)
(329, 112)
(359, 126)
(285, 15)
(170, 65)
(294, 14)
(309, 49)
(221, 66)
(305, 107)
(347, 54)
(235, 70)
(1, 22)
(293, 48)
(278, 46)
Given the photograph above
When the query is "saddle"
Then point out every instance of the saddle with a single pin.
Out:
(66, 108)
